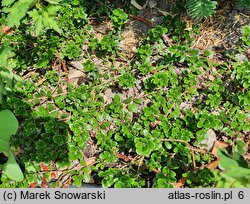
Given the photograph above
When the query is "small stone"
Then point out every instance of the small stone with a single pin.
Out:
(157, 20)
(75, 76)
(208, 143)
(240, 57)
(152, 3)
(76, 64)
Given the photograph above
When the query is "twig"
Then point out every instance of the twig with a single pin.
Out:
(63, 65)
(45, 97)
(142, 20)
(122, 156)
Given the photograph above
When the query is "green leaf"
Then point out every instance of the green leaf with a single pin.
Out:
(39, 26)
(30, 168)
(18, 11)
(238, 172)
(144, 146)
(53, 1)
(138, 101)
(12, 169)
(7, 2)
(208, 53)
(9, 124)
(45, 19)
(6, 77)
(4, 146)
(233, 166)
(5, 54)
(132, 107)
(52, 9)
(51, 23)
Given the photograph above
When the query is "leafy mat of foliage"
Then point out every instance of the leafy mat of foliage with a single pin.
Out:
(76, 133)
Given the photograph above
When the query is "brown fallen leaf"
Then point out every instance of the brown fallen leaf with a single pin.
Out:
(92, 133)
(122, 156)
(218, 144)
(6, 30)
(40, 82)
(56, 175)
(155, 170)
(44, 167)
(90, 161)
(181, 182)
(44, 185)
(64, 181)
(247, 157)
(213, 165)
(247, 53)
(76, 77)
(53, 175)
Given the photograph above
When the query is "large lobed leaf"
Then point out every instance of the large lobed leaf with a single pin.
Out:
(17, 11)
(45, 19)
(7, 2)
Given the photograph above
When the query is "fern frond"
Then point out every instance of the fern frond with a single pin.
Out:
(199, 9)
(242, 4)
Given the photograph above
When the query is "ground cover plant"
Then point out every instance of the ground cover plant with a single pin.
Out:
(84, 98)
